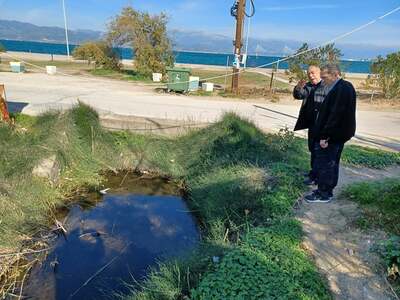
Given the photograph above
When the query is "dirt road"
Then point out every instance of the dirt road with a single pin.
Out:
(34, 93)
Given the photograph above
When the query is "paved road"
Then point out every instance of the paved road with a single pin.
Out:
(35, 93)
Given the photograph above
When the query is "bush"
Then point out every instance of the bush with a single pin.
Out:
(2, 48)
(101, 53)
(388, 71)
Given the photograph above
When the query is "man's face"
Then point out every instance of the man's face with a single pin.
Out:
(327, 77)
(314, 74)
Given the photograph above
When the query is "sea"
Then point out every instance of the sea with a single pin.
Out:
(183, 57)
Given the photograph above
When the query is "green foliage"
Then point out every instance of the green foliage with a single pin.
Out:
(238, 178)
(128, 75)
(370, 157)
(389, 250)
(100, 53)
(318, 57)
(2, 48)
(388, 74)
(173, 280)
(148, 36)
(82, 148)
(380, 202)
(268, 264)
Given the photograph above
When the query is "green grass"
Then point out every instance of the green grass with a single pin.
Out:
(380, 202)
(370, 157)
(241, 183)
(267, 264)
(125, 74)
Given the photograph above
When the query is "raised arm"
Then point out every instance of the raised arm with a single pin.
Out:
(301, 91)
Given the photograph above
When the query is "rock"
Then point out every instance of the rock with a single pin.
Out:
(48, 168)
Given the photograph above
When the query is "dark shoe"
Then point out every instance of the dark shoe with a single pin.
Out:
(309, 181)
(319, 197)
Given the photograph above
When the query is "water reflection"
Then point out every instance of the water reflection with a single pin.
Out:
(114, 237)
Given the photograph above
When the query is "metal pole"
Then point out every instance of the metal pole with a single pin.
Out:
(66, 28)
(247, 41)
(227, 68)
(238, 45)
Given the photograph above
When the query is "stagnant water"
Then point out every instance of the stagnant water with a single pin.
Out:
(114, 238)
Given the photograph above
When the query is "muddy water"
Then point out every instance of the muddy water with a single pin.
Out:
(113, 238)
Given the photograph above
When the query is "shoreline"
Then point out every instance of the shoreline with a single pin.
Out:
(129, 62)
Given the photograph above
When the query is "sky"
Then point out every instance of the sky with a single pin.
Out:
(311, 21)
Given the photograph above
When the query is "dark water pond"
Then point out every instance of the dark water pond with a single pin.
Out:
(114, 238)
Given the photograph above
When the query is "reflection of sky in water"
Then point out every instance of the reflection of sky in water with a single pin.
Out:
(143, 228)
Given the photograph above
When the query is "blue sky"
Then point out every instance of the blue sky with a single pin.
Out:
(310, 20)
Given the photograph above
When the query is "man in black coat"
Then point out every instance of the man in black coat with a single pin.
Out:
(335, 124)
(305, 91)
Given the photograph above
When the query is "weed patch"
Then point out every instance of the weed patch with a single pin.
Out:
(369, 157)
(380, 202)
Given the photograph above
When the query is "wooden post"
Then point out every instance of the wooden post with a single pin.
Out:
(238, 44)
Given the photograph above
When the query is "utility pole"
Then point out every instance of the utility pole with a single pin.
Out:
(66, 28)
(241, 6)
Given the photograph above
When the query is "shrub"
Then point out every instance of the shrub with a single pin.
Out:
(101, 53)
(388, 71)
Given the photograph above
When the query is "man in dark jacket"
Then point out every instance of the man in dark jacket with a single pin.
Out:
(305, 91)
(335, 124)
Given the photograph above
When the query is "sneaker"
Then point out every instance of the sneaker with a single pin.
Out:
(318, 197)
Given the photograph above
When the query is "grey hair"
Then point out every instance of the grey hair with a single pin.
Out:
(313, 66)
(332, 69)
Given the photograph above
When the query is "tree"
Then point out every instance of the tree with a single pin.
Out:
(387, 71)
(304, 57)
(101, 53)
(148, 36)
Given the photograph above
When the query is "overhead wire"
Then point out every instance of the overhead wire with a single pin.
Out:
(342, 36)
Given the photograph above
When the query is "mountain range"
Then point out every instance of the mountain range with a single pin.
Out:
(182, 41)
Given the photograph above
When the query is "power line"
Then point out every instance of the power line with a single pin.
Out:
(260, 66)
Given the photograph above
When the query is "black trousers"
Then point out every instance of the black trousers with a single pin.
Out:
(327, 162)
(313, 172)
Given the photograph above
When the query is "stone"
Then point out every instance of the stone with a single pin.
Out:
(48, 168)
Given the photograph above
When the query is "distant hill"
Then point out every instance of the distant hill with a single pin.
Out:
(201, 41)
(182, 40)
(20, 31)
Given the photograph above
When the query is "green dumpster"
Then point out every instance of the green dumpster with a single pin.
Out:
(178, 79)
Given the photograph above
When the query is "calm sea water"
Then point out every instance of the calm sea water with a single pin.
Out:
(181, 57)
